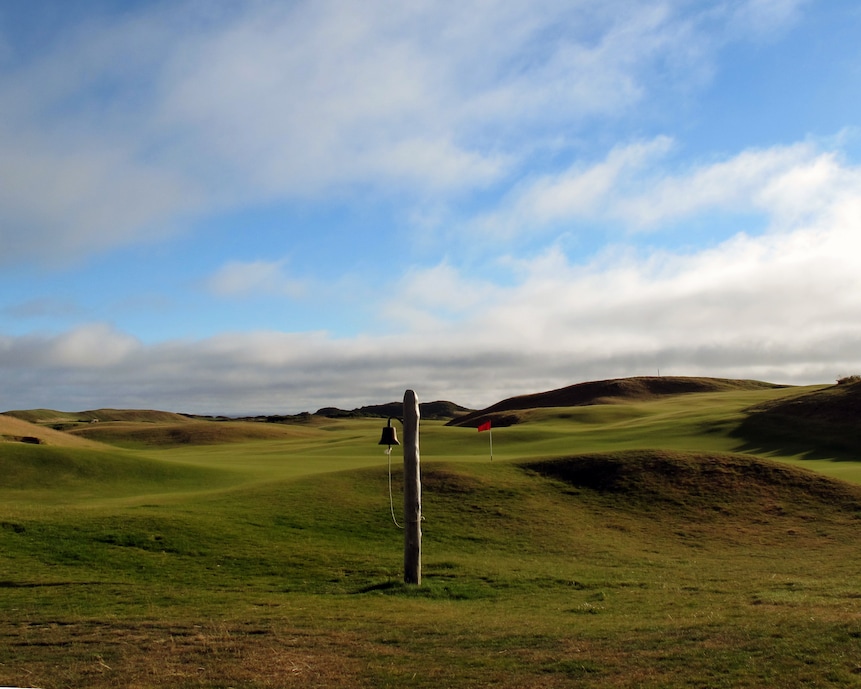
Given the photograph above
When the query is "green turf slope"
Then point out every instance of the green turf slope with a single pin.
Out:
(624, 569)
(43, 473)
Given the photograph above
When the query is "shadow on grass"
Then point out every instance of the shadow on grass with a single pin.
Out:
(430, 589)
(817, 425)
(765, 432)
(6, 584)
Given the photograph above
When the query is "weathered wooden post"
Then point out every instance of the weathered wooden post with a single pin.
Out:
(412, 492)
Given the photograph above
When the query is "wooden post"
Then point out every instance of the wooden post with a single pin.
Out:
(412, 492)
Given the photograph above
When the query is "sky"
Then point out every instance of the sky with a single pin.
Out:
(273, 206)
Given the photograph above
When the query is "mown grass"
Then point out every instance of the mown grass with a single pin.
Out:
(578, 557)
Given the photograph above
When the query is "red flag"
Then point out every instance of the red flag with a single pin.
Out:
(484, 427)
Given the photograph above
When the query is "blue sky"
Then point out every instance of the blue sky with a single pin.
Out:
(270, 207)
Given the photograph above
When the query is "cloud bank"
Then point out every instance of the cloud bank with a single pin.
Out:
(493, 128)
(783, 305)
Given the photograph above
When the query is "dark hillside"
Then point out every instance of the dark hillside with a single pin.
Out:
(436, 411)
(829, 418)
(606, 392)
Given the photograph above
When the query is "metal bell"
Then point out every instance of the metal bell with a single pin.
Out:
(389, 436)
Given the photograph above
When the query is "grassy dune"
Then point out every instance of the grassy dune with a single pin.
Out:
(646, 543)
(194, 433)
(13, 430)
(35, 476)
(75, 418)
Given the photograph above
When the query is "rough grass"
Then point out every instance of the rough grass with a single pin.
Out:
(615, 570)
(579, 557)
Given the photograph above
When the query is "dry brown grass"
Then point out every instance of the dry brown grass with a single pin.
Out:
(104, 655)
(13, 429)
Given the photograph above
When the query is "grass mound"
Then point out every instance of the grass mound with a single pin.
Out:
(67, 472)
(606, 392)
(162, 435)
(702, 483)
(825, 418)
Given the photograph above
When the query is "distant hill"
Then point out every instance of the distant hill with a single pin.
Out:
(437, 411)
(824, 418)
(189, 432)
(68, 419)
(605, 392)
(136, 428)
(129, 428)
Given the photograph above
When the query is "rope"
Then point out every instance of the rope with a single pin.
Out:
(391, 499)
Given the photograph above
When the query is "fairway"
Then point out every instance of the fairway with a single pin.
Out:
(634, 544)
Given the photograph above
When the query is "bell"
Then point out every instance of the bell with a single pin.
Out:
(389, 436)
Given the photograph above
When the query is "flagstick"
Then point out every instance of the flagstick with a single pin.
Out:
(486, 426)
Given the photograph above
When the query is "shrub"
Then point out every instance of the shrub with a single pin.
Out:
(848, 380)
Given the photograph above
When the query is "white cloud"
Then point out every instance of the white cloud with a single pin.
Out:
(766, 17)
(249, 278)
(123, 128)
(784, 307)
(788, 183)
(334, 92)
(47, 307)
(91, 347)
(60, 204)
(430, 298)
(785, 185)
(578, 192)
